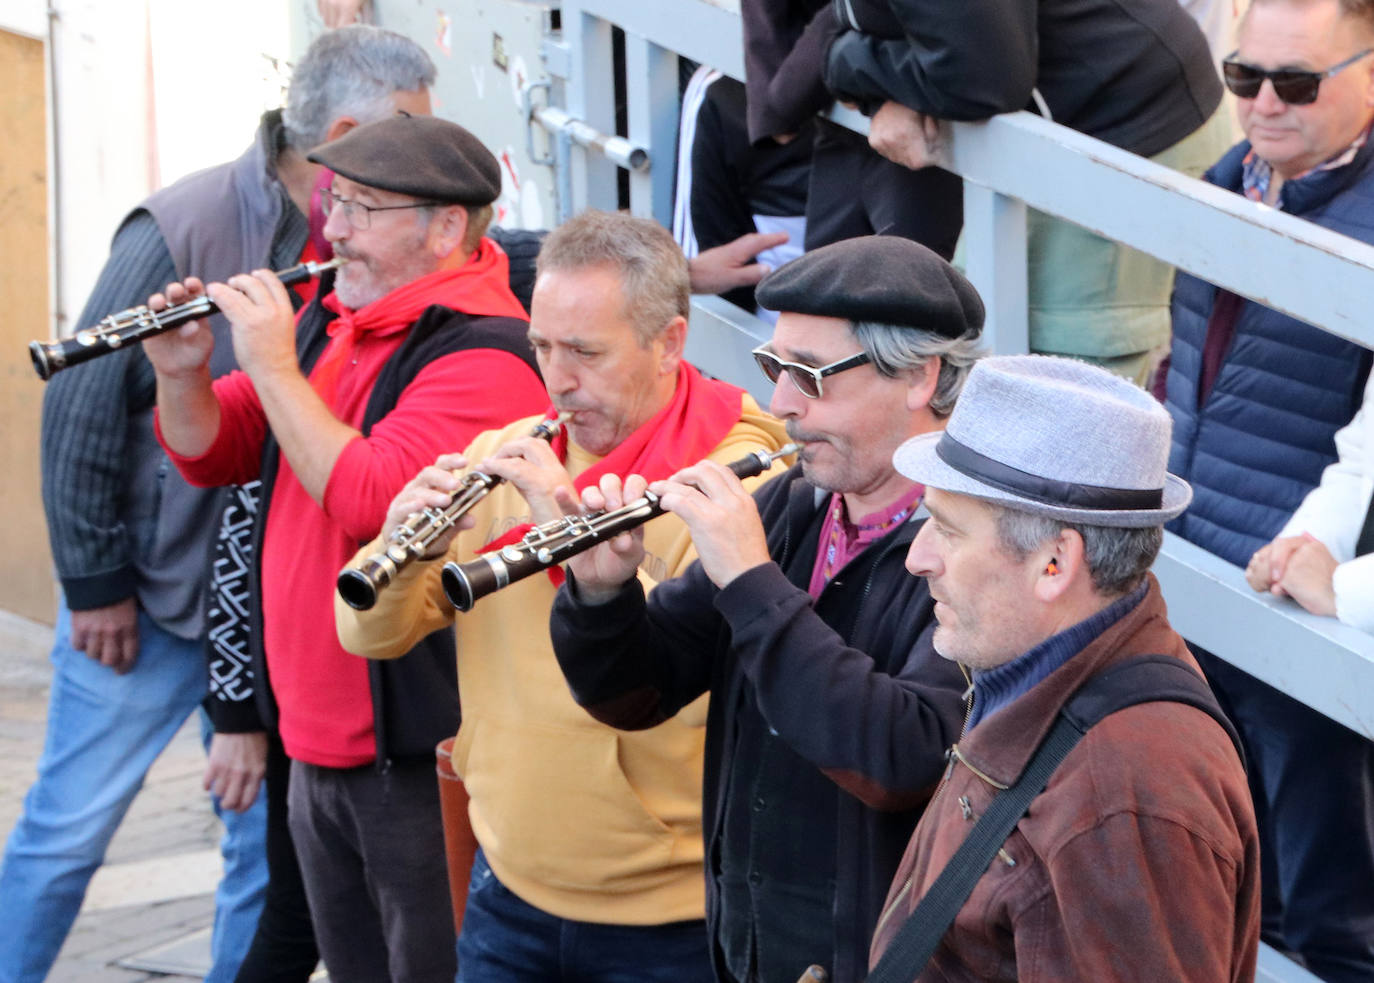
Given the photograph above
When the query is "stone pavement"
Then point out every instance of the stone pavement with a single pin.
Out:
(156, 887)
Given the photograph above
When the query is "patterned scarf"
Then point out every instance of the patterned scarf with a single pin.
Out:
(842, 540)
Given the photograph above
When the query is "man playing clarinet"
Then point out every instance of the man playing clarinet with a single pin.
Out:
(415, 345)
(131, 542)
(590, 855)
(830, 712)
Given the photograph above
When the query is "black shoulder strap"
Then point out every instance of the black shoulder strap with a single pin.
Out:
(1147, 679)
(1144, 679)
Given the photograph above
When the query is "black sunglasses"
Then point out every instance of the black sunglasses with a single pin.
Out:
(806, 378)
(1292, 85)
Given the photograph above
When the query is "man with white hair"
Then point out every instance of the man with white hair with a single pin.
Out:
(416, 343)
(1139, 860)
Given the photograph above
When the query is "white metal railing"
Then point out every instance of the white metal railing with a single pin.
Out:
(1008, 164)
(1286, 262)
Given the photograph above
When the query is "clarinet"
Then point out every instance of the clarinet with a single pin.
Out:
(359, 586)
(139, 323)
(553, 542)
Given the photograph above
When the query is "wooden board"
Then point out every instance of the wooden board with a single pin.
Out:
(27, 588)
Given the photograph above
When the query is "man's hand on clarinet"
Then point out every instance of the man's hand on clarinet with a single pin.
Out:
(183, 351)
(262, 319)
(432, 488)
(604, 569)
(722, 517)
(533, 468)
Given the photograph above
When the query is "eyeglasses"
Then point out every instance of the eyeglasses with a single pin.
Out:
(806, 378)
(357, 214)
(1294, 86)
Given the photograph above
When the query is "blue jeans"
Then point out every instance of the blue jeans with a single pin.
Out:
(104, 731)
(506, 940)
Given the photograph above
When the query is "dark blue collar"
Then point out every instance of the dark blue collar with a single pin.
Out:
(995, 688)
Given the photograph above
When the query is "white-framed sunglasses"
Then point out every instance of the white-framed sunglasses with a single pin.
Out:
(806, 378)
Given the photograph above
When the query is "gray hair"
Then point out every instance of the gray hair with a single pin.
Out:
(895, 349)
(650, 265)
(1118, 558)
(351, 71)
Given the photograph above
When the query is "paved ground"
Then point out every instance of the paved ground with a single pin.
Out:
(154, 891)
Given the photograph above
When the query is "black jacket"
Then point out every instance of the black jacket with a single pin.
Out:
(784, 56)
(851, 684)
(1135, 73)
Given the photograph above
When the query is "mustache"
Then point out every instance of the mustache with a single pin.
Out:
(800, 436)
(570, 406)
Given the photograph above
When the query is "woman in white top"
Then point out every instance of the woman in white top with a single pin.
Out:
(1313, 560)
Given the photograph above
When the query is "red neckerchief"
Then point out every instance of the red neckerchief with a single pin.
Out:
(481, 286)
(697, 418)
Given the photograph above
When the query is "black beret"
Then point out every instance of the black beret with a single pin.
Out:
(876, 278)
(423, 156)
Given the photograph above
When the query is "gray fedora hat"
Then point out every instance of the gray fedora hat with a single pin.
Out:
(1056, 437)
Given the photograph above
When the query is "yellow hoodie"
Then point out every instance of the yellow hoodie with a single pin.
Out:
(580, 820)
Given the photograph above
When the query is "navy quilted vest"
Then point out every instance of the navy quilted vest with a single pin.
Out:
(1258, 443)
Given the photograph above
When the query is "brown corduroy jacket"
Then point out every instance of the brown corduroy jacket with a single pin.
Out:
(1139, 861)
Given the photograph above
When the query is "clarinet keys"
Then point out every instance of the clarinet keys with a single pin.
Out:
(554, 542)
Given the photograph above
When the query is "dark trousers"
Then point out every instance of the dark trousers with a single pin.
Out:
(855, 191)
(1313, 785)
(506, 940)
(283, 949)
(371, 849)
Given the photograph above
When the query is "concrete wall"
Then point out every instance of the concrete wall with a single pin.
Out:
(486, 51)
(24, 285)
(102, 103)
(145, 92)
